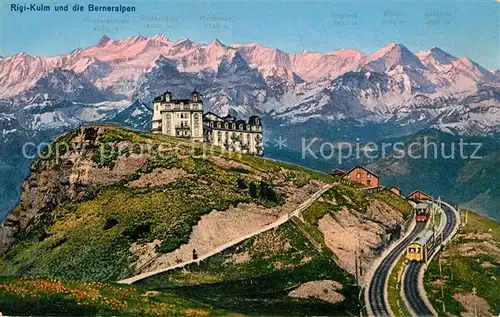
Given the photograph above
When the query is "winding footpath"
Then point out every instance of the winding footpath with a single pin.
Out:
(413, 288)
(281, 220)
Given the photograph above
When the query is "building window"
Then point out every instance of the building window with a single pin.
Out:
(358, 176)
(369, 176)
(369, 182)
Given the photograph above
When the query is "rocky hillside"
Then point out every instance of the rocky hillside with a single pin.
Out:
(104, 203)
(303, 267)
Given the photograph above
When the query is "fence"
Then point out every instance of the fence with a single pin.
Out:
(372, 189)
(346, 182)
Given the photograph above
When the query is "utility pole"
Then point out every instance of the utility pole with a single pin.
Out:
(442, 282)
(474, 292)
(433, 211)
(360, 256)
(356, 266)
(361, 307)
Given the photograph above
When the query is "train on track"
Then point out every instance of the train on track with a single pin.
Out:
(421, 248)
(422, 211)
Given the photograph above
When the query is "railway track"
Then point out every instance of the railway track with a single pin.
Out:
(378, 285)
(412, 276)
(411, 290)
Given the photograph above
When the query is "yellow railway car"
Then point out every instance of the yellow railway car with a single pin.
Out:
(420, 248)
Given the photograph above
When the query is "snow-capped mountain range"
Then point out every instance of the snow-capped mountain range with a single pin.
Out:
(393, 84)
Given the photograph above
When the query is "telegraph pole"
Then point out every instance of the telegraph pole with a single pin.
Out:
(360, 257)
(442, 282)
(356, 266)
(474, 292)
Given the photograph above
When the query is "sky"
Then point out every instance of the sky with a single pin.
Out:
(462, 28)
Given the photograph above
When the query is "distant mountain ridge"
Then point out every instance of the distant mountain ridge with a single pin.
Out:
(248, 79)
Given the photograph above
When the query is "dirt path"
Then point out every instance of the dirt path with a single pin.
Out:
(221, 248)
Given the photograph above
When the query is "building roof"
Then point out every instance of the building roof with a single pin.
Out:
(254, 120)
(229, 118)
(364, 168)
(337, 170)
(177, 101)
(396, 187)
(180, 100)
(212, 114)
(418, 191)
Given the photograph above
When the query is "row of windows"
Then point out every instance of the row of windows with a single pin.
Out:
(178, 107)
(358, 176)
(228, 134)
(231, 126)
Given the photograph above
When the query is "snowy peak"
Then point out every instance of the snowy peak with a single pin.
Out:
(348, 53)
(103, 41)
(263, 57)
(436, 59)
(437, 54)
(473, 69)
(161, 38)
(391, 56)
(185, 43)
(215, 44)
(215, 49)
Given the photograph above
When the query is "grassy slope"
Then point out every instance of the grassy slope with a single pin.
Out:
(255, 276)
(270, 271)
(461, 272)
(24, 297)
(394, 289)
(73, 243)
(395, 201)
